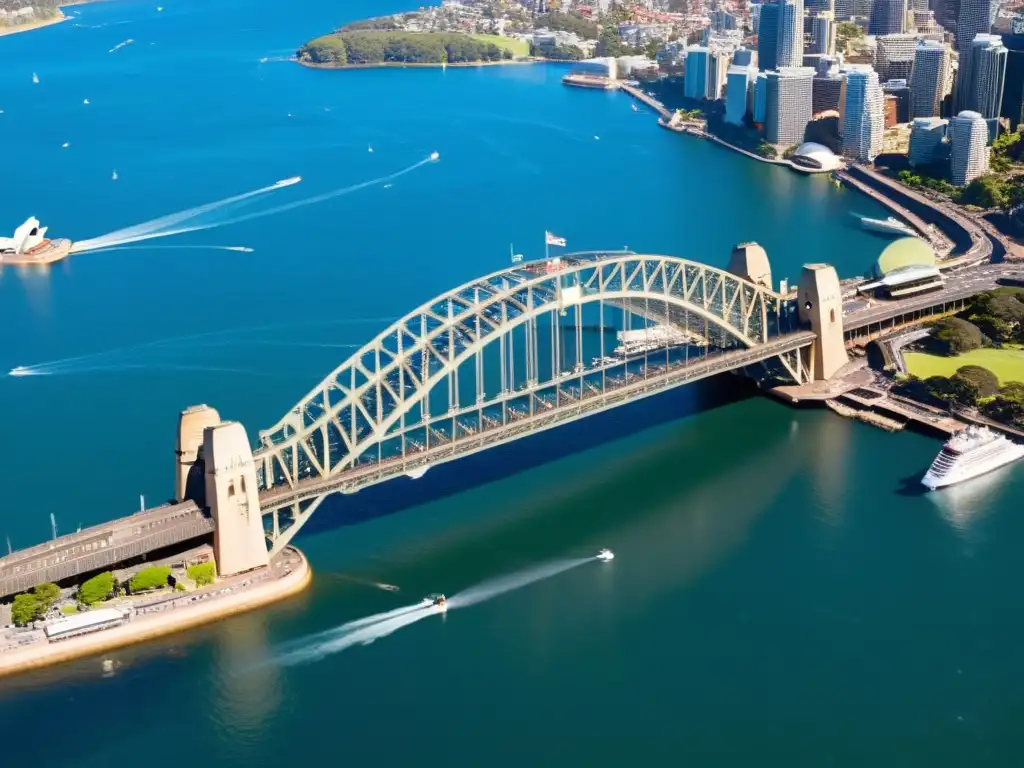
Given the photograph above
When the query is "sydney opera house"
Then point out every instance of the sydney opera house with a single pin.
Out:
(30, 246)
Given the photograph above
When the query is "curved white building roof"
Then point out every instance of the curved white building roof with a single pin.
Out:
(819, 156)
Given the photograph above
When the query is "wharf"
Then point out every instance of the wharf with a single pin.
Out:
(650, 101)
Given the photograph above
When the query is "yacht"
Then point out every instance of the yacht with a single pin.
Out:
(889, 226)
(969, 453)
(437, 600)
(605, 555)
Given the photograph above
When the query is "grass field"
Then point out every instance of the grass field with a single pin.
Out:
(514, 45)
(1006, 364)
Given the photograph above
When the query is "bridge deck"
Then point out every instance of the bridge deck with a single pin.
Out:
(102, 546)
(591, 402)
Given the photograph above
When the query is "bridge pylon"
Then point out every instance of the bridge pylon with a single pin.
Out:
(239, 543)
(192, 422)
(820, 303)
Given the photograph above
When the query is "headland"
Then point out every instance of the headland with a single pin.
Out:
(287, 575)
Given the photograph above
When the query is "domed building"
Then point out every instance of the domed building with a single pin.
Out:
(815, 158)
(905, 267)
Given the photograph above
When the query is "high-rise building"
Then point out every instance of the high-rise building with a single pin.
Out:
(718, 67)
(900, 91)
(761, 98)
(738, 89)
(928, 78)
(975, 18)
(979, 81)
(721, 19)
(894, 56)
(889, 110)
(743, 57)
(768, 37)
(946, 13)
(844, 10)
(823, 34)
(755, 17)
(695, 80)
(788, 102)
(887, 17)
(968, 139)
(927, 137)
(1013, 88)
(863, 115)
(815, 7)
(790, 45)
(826, 92)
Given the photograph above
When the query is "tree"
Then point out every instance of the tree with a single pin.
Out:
(1008, 406)
(952, 391)
(202, 573)
(651, 49)
(788, 152)
(764, 149)
(846, 31)
(25, 609)
(96, 589)
(953, 335)
(988, 191)
(982, 379)
(150, 578)
(47, 593)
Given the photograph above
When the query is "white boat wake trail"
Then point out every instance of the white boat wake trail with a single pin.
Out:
(167, 226)
(367, 630)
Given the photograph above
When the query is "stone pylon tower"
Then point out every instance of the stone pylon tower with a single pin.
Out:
(750, 261)
(820, 301)
(191, 423)
(239, 543)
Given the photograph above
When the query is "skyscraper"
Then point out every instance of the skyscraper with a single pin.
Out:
(743, 57)
(928, 78)
(946, 13)
(887, 17)
(815, 7)
(1013, 88)
(979, 82)
(768, 37)
(926, 140)
(844, 10)
(894, 56)
(823, 34)
(739, 83)
(968, 137)
(695, 79)
(826, 89)
(788, 101)
(718, 67)
(790, 45)
(975, 18)
(760, 98)
(863, 116)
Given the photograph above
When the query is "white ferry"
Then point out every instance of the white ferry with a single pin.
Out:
(969, 453)
(889, 226)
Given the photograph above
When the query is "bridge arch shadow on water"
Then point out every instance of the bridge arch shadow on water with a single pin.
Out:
(339, 510)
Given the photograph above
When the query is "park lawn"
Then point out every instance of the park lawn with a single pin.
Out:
(514, 45)
(1006, 364)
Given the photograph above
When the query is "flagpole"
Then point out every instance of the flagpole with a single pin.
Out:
(546, 247)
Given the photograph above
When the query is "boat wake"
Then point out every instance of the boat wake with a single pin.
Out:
(372, 628)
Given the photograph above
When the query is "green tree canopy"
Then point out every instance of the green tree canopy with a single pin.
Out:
(986, 382)
(764, 149)
(953, 335)
(202, 573)
(150, 578)
(96, 589)
(988, 191)
(954, 391)
(25, 609)
(568, 22)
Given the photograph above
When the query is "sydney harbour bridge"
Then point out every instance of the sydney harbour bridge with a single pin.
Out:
(521, 350)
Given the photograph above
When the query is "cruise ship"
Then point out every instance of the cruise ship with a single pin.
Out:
(969, 453)
(889, 226)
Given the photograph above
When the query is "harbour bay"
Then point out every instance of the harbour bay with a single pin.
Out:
(778, 596)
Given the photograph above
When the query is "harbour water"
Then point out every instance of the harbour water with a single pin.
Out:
(781, 593)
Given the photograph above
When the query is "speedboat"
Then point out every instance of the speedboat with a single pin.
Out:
(605, 555)
(435, 156)
(437, 600)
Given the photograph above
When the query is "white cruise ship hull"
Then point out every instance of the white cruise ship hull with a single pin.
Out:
(962, 469)
(887, 227)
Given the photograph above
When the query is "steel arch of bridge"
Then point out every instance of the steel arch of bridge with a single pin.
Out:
(382, 390)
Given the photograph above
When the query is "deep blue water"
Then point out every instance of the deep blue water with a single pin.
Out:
(778, 597)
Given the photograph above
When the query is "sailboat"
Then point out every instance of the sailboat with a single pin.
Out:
(113, 176)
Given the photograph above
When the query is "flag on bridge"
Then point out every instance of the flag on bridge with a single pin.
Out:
(552, 239)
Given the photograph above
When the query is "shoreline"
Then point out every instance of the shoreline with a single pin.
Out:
(4, 31)
(140, 629)
(418, 65)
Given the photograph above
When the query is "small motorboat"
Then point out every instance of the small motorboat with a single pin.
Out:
(605, 555)
(634, 107)
(438, 600)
